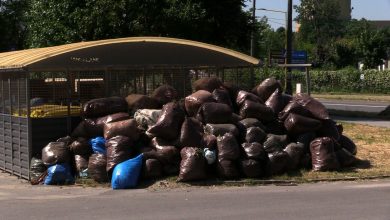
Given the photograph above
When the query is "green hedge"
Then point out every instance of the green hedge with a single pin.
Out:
(348, 81)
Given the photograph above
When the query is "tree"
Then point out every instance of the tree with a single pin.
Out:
(320, 25)
(218, 22)
(12, 28)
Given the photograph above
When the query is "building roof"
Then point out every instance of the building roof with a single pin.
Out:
(132, 51)
(380, 24)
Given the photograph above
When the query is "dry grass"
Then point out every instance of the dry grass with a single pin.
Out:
(364, 97)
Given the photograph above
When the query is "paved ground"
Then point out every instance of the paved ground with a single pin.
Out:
(355, 105)
(341, 200)
(366, 121)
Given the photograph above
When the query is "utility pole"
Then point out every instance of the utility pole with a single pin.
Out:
(253, 28)
(288, 76)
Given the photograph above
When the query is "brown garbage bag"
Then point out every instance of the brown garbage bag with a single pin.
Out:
(252, 168)
(152, 169)
(126, 128)
(348, 144)
(305, 161)
(316, 108)
(103, 106)
(169, 124)
(260, 111)
(55, 152)
(210, 141)
(80, 130)
(81, 162)
(97, 168)
(138, 101)
(275, 143)
(222, 96)
(207, 83)
(295, 152)
(287, 98)
(67, 140)
(345, 158)
(191, 134)
(171, 169)
(95, 127)
(158, 143)
(227, 169)
(236, 118)
(221, 129)
(323, 155)
(252, 122)
(233, 90)
(81, 146)
(276, 102)
(267, 87)
(293, 107)
(193, 102)
(167, 155)
(193, 164)
(164, 94)
(228, 148)
(306, 139)
(255, 134)
(277, 163)
(247, 96)
(214, 113)
(92, 128)
(296, 124)
(275, 127)
(119, 149)
(328, 129)
(254, 151)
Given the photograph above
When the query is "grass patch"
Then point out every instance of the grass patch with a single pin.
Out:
(352, 96)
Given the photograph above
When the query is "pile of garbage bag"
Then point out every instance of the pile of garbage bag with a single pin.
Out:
(217, 131)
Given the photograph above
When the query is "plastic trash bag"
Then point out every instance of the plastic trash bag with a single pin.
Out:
(276, 102)
(222, 96)
(191, 134)
(260, 111)
(221, 129)
(296, 124)
(243, 96)
(215, 113)
(210, 141)
(193, 164)
(152, 169)
(328, 129)
(252, 168)
(146, 118)
(295, 152)
(210, 155)
(207, 83)
(126, 128)
(126, 173)
(277, 163)
(98, 145)
(252, 122)
(67, 140)
(228, 148)
(267, 87)
(255, 134)
(81, 162)
(81, 146)
(253, 151)
(59, 174)
(323, 155)
(345, 158)
(119, 149)
(55, 152)
(348, 144)
(274, 143)
(227, 169)
(138, 101)
(164, 94)
(103, 106)
(97, 168)
(37, 168)
(293, 107)
(316, 108)
(193, 102)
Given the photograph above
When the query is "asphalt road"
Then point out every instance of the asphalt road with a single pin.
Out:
(341, 200)
(355, 105)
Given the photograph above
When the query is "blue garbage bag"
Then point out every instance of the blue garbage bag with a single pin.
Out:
(98, 145)
(59, 174)
(126, 174)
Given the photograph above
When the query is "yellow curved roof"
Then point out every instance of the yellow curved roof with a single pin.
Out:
(23, 58)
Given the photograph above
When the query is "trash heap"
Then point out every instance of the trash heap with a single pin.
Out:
(217, 131)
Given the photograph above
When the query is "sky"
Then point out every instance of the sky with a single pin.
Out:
(369, 9)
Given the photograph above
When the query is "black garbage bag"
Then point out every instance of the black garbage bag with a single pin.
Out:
(252, 122)
(164, 94)
(54, 153)
(214, 113)
(296, 124)
(169, 123)
(193, 102)
(209, 141)
(328, 129)
(119, 149)
(275, 127)
(345, 158)
(243, 96)
(79, 131)
(306, 161)
(158, 143)
(167, 155)
(274, 143)
(236, 118)
(293, 107)
(306, 139)
(260, 111)
(81, 146)
(254, 151)
(97, 168)
(267, 87)
(81, 162)
(171, 169)
(37, 168)
(277, 163)
(252, 168)
(227, 169)
(222, 96)
(276, 102)
(323, 155)
(221, 129)
(228, 148)
(193, 164)
(191, 134)
(103, 106)
(340, 129)
(348, 144)
(138, 101)
(316, 108)
(95, 127)
(295, 152)
(207, 83)
(128, 128)
(152, 169)
(233, 90)
(67, 140)
(255, 134)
